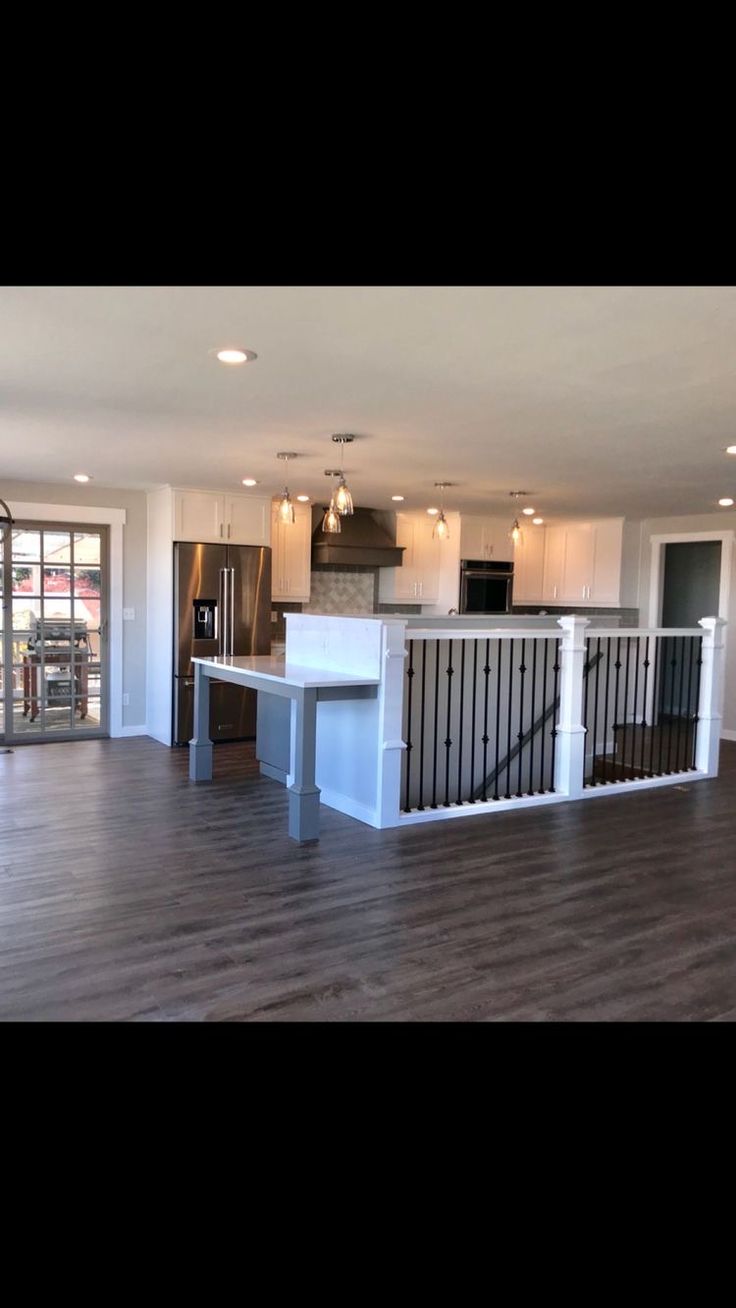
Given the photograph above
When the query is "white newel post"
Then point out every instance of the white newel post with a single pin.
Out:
(570, 750)
(711, 696)
(390, 721)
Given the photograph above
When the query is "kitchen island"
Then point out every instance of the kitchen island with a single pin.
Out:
(304, 687)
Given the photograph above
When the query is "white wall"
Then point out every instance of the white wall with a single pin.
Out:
(134, 570)
(705, 522)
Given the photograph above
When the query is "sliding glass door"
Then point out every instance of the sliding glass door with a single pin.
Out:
(54, 647)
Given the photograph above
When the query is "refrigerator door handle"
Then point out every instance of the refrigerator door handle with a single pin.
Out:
(222, 634)
(232, 611)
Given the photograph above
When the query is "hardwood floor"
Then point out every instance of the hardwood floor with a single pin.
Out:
(126, 893)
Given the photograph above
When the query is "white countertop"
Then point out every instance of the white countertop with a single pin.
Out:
(271, 668)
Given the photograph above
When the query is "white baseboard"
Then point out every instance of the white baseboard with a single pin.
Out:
(139, 730)
(344, 804)
(728, 735)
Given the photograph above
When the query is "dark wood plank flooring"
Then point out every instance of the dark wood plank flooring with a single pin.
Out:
(126, 893)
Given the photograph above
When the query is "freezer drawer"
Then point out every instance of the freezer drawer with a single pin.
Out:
(232, 711)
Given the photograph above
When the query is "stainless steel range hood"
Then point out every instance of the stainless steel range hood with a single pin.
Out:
(362, 540)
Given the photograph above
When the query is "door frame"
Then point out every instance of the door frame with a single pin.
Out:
(114, 520)
(656, 582)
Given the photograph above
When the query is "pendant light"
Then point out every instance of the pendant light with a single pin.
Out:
(343, 498)
(441, 529)
(285, 511)
(331, 521)
(515, 533)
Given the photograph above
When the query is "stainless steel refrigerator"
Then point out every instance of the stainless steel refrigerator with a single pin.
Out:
(222, 604)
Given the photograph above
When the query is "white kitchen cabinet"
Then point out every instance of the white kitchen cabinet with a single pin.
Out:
(582, 563)
(198, 516)
(486, 538)
(247, 520)
(207, 516)
(291, 546)
(529, 566)
(418, 579)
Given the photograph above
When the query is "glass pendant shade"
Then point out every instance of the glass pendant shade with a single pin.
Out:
(331, 520)
(286, 508)
(441, 529)
(516, 532)
(343, 498)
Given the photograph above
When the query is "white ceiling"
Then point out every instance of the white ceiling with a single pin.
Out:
(602, 400)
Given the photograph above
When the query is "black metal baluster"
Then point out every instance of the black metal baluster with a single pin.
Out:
(604, 765)
(617, 666)
(644, 706)
(673, 665)
(556, 670)
(460, 733)
(485, 737)
(437, 648)
(471, 798)
(595, 711)
(448, 741)
(696, 719)
(544, 713)
(410, 679)
(663, 659)
(688, 733)
(680, 707)
(508, 719)
(498, 718)
(636, 701)
(656, 697)
(626, 710)
(535, 645)
(420, 805)
(522, 674)
(586, 680)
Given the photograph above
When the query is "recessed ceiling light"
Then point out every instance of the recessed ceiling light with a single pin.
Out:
(725, 503)
(399, 498)
(731, 449)
(303, 499)
(529, 512)
(433, 511)
(249, 481)
(236, 356)
(81, 476)
(538, 522)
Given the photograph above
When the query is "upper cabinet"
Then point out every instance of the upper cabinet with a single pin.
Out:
(207, 516)
(529, 566)
(485, 538)
(418, 579)
(291, 563)
(582, 563)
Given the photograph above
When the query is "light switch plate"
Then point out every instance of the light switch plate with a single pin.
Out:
(274, 615)
(126, 699)
(128, 615)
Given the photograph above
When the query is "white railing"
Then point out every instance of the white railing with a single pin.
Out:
(498, 718)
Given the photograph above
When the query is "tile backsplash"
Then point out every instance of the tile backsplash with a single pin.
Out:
(341, 592)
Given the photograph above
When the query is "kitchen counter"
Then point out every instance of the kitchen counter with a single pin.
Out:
(304, 686)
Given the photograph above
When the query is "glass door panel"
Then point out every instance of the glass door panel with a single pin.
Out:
(55, 649)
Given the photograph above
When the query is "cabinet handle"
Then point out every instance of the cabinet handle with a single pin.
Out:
(220, 531)
(555, 592)
(228, 531)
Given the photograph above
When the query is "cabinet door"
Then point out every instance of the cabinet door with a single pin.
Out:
(472, 537)
(395, 584)
(497, 539)
(607, 548)
(247, 520)
(427, 559)
(529, 566)
(297, 552)
(278, 558)
(198, 516)
(554, 559)
(578, 567)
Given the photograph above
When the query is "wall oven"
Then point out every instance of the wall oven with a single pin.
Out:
(485, 587)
